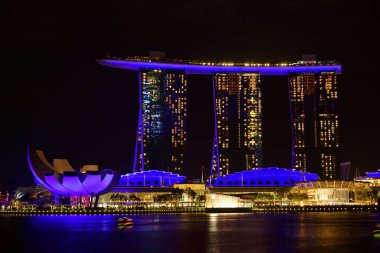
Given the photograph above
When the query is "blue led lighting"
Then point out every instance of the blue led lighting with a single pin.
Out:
(145, 96)
(151, 178)
(209, 70)
(264, 177)
(215, 166)
(375, 174)
(139, 147)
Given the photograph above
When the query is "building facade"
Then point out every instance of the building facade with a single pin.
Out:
(331, 192)
(161, 130)
(237, 142)
(315, 123)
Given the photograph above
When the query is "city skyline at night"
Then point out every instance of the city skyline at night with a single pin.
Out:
(57, 97)
(190, 126)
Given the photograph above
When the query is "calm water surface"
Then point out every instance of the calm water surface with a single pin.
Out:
(300, 232)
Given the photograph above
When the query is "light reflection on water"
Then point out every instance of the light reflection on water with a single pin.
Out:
(300, 232)
(213, 235)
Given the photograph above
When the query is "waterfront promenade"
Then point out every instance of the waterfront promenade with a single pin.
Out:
(182, 210)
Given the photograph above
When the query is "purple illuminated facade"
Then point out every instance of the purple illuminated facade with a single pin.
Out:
(203, 68)
(60, 178)
(237, 144)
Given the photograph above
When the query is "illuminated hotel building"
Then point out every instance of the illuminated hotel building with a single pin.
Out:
(161, 131)
(238, 125)
(314, 120)
(237, 144)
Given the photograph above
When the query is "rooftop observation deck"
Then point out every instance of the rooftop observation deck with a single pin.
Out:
(210, 68)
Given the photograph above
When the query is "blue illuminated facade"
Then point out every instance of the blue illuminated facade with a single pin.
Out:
(374, 174)
(161, 130)
(151, 178)
(264, 177)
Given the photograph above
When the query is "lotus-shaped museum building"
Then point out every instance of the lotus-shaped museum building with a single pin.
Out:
(61, 178)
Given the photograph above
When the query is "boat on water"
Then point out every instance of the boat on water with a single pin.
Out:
(376, 233)
(125, 222)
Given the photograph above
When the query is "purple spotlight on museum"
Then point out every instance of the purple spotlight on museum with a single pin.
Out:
(61, 178)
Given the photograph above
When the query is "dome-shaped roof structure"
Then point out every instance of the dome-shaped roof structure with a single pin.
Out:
(61, 178)
(151, 178)
(269, 177)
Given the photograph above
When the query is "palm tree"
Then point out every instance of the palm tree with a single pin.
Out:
(372, 195)
(280, 194)
(134, 198)
(177, 193)
(200, 198)
(191, 193)
(113, 197)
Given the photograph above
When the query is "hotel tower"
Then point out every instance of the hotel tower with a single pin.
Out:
(161, 130)
(315, 123)
(237, 142)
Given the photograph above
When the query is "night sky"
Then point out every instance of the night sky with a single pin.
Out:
(55, 96)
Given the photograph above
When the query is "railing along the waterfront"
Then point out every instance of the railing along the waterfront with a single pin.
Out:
(165, 210)
(322, 208)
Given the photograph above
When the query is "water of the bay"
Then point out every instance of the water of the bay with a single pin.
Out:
(298, 232)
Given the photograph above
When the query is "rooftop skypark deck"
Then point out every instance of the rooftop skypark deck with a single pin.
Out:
(209, 68)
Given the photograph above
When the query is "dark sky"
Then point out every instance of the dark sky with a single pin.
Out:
(55, 95)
